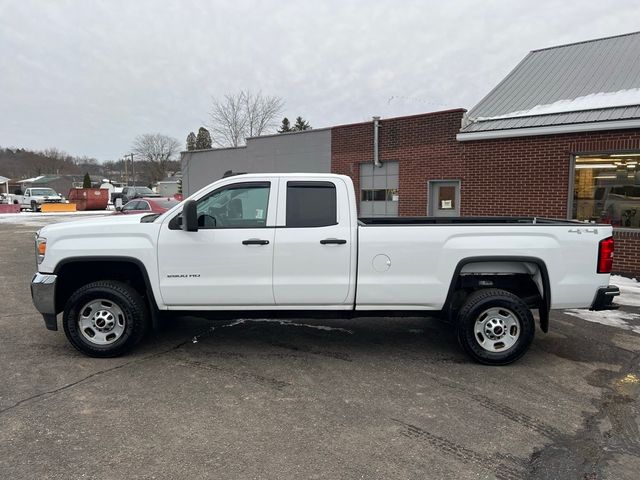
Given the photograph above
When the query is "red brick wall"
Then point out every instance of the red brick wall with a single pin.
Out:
(627, 251)
(424, 145)
(526, 176)
(529, 175)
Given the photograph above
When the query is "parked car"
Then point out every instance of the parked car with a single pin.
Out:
(33, 198)
(129, 193)
(149, 205)
(283, 244)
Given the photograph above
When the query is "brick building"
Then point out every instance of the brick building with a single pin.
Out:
(558, 137)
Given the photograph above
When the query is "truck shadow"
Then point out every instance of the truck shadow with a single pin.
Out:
(419, 339)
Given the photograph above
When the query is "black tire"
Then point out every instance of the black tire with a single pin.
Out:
(474, 315)
(118, 297)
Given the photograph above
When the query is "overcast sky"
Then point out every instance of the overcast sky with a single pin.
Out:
(88, 76)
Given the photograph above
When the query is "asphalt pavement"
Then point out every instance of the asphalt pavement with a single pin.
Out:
(309, 399)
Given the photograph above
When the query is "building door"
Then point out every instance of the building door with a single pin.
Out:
(444, 198)
(379, 190)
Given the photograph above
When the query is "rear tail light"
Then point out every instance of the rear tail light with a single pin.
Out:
(605, 255)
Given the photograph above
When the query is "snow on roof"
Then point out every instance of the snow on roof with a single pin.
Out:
(29, 180)
(592, 81)
(593, 101)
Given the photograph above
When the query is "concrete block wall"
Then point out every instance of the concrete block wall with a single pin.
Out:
(301, 152)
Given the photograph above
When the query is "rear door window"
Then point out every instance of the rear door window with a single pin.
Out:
(311, 204)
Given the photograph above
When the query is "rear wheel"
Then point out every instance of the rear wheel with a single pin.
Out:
(105, 318)
(495, 327)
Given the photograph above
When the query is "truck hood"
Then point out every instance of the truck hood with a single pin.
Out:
(94, 224)
(100, 237)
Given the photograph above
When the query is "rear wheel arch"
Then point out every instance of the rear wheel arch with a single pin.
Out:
(497, 266)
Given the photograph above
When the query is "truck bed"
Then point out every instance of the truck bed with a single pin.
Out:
(408, 221)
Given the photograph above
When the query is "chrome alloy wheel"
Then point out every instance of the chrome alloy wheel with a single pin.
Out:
(497, 329)
(101, 322)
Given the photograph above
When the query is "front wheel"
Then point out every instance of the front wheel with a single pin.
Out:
(495, 327)
(105, 318)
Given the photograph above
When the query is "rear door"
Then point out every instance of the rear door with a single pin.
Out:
(314, 245)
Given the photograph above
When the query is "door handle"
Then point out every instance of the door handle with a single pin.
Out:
(333, 241)
(255, 241)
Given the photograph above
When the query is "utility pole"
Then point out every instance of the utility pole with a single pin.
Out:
(133, 168)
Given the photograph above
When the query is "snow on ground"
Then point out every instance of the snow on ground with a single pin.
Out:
(39, 219)
(613, 318)
(629, 290)
(593, 101)
(629, 296)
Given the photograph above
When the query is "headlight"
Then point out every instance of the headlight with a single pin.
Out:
(41, 249)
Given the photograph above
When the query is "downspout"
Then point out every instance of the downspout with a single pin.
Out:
(376, 126)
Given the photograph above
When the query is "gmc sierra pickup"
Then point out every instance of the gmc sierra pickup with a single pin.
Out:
(292, 244)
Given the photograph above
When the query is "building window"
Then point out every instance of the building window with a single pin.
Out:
(378, 195)
(379, 189)
(607, 189)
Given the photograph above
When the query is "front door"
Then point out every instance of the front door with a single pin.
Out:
(314, 256)
(229, 260)
(444, 198)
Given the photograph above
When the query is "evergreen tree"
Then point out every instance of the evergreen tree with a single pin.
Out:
(191, 141)
(203, 140)
(285, 127)
(86, 182)
(301, 124)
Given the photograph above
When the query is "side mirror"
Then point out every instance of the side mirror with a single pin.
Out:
(190, 216)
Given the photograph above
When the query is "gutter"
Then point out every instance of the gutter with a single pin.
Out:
(376, 127)
(549, 130)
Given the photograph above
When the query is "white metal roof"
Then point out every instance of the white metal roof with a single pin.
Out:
(592, 81)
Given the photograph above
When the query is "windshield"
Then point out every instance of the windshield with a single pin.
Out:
(42, 191)
(144, 191)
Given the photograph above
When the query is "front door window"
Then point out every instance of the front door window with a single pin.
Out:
(237, 206)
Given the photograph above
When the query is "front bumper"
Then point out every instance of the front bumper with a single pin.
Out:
(604, 298)
(43, 294)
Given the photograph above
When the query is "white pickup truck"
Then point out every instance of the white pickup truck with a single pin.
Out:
(33, 198)
(292, 244)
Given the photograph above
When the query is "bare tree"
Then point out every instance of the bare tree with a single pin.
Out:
(245, 114)
(157, 151)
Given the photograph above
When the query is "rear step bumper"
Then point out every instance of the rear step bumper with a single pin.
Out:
(604, 297)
